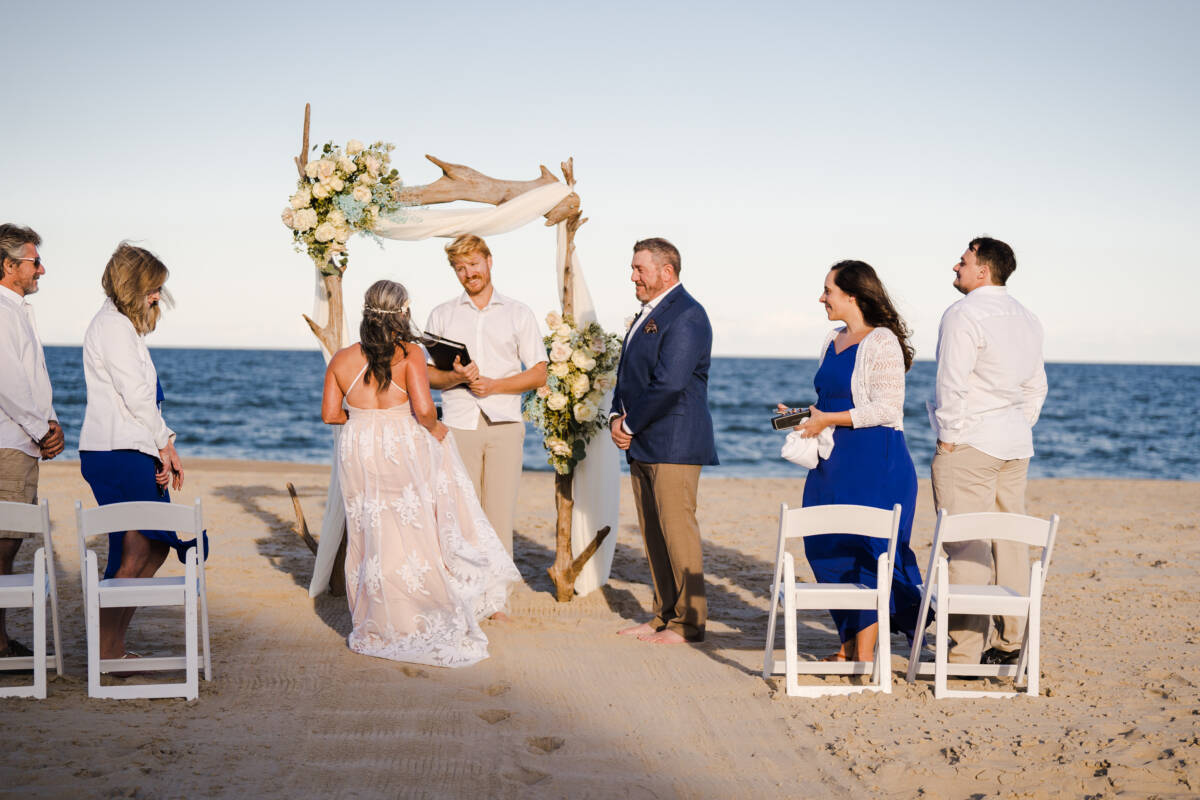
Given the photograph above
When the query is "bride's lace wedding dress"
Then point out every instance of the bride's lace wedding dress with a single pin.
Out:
(423, 564)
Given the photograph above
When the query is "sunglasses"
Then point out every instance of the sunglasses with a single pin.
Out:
(37, 262)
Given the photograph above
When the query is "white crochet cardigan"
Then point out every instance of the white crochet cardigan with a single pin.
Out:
(877, 382)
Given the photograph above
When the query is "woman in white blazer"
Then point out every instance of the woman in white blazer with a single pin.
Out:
(126, 450)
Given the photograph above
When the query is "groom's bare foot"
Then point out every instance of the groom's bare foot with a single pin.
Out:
(637, 630)
(500, 616)
(664, 636)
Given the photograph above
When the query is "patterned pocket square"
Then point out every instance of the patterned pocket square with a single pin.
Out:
(650, 327)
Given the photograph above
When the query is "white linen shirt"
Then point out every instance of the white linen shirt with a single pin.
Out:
(991, 379)
(26, 398)
(122, 388)
(502, 338)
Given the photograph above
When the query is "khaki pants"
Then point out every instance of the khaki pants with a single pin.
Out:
(965, 481)
(492, 455)
(18, 482)
(665, 495)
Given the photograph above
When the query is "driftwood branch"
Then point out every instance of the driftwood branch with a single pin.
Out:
(301, 526)
(302, 159)
(330, 336)
(566, 569)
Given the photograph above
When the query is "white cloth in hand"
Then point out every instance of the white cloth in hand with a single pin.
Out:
(805, 451)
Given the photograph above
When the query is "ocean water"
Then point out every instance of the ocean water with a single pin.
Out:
(1100, 420)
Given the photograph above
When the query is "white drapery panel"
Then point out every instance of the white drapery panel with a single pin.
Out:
(597, 478)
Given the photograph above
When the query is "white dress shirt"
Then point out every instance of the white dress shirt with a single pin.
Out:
(502, 338)
(26, 399)
(122, 388)
(991, 380)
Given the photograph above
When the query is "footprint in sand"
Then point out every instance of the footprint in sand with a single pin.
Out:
(414, 672)
(494, 715)
(525, 775)
(545, 744)
(497, 689)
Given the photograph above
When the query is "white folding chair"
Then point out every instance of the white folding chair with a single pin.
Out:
(30, 590)
(187, 590)
(954, 598)
(812, 521)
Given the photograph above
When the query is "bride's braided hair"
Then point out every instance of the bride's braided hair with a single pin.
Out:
(858, 279)
(386, 324)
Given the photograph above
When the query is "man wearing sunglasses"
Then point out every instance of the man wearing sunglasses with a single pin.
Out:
(29, 428)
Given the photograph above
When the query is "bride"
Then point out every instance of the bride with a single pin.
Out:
(423, 565)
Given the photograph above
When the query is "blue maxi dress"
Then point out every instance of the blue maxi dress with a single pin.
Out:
(122, 476)
(868, 467)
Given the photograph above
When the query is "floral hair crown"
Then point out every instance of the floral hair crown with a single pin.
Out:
(401, 310)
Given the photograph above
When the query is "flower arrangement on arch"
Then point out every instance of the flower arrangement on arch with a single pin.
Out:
(341, 193)
(583, 368)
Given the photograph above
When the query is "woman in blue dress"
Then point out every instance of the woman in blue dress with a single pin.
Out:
(860, 393)
(126, 450)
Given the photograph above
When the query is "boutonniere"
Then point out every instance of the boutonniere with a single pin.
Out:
(629, 322)
(650, 327)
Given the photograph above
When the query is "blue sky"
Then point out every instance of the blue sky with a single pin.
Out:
(767, 140)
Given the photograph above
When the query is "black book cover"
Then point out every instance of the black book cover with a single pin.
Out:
(443, 351)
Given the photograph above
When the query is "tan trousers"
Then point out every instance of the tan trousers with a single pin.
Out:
(968, 480)
(492, 455)
(665, 495)
(18, 482)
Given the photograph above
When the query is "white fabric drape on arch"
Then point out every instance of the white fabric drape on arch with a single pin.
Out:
(597, 477)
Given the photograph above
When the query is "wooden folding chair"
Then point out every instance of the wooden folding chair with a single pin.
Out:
(187, 590)
(953, 598)
(813, 521)
(30, 590)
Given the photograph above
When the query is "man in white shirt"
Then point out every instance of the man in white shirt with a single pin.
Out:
(991, 383)
(481, 402)
(29, 428)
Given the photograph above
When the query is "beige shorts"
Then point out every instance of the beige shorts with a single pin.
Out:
(18, 483)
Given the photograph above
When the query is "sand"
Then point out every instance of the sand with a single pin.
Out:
(564, 708)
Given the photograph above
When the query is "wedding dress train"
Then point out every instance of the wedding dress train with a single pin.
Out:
(423, 564)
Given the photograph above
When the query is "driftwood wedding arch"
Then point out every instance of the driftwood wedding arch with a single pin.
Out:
(459, 182)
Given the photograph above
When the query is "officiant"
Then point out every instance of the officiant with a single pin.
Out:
(481, 400)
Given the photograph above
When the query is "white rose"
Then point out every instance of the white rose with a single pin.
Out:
(336, 218)
(558, 447)
(563, 331)
(372, 164)
(325, 232)
(553, 320)
(583, 360)
(365, 179)
(301, 198)
(559, 352)
(594, 397)
(346, 165)
(584, 411)
(354, 147)
(325, 169)
(343, 233)
(336, 183)
(580, 385)
(560, 369)
(557, 401)
(288, 216)
(304, 219)
(320, 191)
(362, 194)
(543, 391)
(604, 382)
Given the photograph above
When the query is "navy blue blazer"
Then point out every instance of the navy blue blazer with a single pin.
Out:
(662, 385)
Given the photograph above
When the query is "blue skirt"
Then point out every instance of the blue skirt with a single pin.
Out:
(123, 476)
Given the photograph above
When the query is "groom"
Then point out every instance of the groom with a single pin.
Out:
(660, 419)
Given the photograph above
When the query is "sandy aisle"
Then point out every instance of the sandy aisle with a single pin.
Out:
(565, 709)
